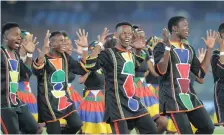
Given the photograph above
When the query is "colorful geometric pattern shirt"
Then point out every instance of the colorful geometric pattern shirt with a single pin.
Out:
(176, 93)
(119, 69)
(53, 95)
(12, 71)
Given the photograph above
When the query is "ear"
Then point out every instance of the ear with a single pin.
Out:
(174, 28)
(116, 34)
(51, 45)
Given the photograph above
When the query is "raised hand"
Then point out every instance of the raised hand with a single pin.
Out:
(29, 44)
(101, 38)
(155, 41)
(138, 44)
(220, 41)
(46, 47)
(83, 38)
(79, 49)
(165, 36)
(210, 40)
(201, 54)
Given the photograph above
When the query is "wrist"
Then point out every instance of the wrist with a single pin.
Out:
(167, 48)
(221, 53)
(85, 48)
(30, 55)
(101, 45)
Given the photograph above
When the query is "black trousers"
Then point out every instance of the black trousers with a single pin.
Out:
(219, 102)
(14, 120)
(73, 125)
(199, 118)
(144, 124)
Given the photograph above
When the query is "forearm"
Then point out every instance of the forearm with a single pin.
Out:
(199, 80)
(146, 73)
(206, 62)
(28, 61)
(95, 53)
(40, 60)
(151, 69)
(163, 63)
(82, 79)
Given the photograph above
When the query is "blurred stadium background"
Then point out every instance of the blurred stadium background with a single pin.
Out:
(39, 16)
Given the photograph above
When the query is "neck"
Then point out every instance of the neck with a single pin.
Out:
(175, 38)
(7, 47)
(54, 53)
(118, 45)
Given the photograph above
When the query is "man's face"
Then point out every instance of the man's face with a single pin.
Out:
(69, 46)
(182, 29)
(58, 43)
(222, 34)
(125, 35)
(140, 39)
(13, 38)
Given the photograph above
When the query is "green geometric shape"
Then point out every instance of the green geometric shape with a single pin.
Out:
(185, 98)
(58, 76)
(143, 54)
(13, 87)
(128, 68)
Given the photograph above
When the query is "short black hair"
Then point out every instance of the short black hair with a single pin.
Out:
(64, 33)
(174, 21)
(221, 28)
(8, 26)
(55, 33)
(123, 23)
(135, 27)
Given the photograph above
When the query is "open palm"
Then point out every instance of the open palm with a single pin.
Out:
(29, 43)
(46, 46)
(211, 38)
(82, 38)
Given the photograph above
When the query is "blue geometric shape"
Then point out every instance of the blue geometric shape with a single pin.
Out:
(13, 64)
(93, 117)
(133, 104)
(182, 54)
(58, 86)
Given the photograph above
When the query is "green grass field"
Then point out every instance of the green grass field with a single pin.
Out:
(218, 130)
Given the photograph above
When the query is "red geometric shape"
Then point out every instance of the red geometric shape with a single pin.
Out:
(129, 86)
(184, 84)
(63, 103)
(26, 86)
(184, 70)
(13, 98)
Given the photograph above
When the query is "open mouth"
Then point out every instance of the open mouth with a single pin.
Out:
(17, 44)
(127, 41)
(186, 33)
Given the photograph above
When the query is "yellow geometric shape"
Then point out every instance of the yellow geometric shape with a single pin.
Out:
(99, 71)
(127, 56)
(14, 76)
(58, 94)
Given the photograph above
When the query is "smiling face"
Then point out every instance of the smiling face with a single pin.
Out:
(124, 35)
(69, 47)
(13, 38)
(58, 43)
(139, 37)
(182, 29)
